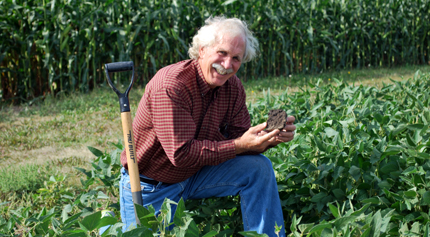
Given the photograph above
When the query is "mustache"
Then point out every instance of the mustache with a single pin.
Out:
(221, 69)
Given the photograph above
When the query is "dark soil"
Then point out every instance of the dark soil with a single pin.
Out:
(277, 119)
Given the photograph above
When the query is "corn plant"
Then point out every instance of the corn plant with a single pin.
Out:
(59, 46)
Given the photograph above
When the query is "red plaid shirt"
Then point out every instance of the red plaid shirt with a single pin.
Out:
(182, 124)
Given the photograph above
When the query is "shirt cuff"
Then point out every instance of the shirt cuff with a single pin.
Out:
(226, 150)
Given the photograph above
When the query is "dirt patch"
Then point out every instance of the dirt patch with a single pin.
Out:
(277, 119)
(48, 154)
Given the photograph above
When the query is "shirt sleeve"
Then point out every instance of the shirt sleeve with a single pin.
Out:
(175, 129)
(240, 120)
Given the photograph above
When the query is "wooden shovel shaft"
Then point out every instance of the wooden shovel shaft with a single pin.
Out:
(133, 168)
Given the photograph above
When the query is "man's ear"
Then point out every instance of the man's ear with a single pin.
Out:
(202, 51)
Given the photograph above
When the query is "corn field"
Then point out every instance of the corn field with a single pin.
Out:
(60, 46)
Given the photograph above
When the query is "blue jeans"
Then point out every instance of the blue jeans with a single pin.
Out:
(250, 176)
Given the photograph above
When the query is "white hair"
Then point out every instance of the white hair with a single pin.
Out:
(213, 31)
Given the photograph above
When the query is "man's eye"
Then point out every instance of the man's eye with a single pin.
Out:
(222, 52)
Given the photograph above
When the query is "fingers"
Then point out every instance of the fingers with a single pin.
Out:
(258, 139)
(285, 136)
(258, 128)
(289, 128)
(291, 119)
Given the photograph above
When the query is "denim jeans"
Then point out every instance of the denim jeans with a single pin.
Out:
(250, 176)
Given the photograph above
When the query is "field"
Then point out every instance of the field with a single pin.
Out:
(51, 47)
(357, 167)
(354, 73)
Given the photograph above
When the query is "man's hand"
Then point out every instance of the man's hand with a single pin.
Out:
(286, 134)
(256, 139)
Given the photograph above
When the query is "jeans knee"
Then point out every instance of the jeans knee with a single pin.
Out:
(260, 166)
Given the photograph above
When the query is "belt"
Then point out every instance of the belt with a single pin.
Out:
(148, 181)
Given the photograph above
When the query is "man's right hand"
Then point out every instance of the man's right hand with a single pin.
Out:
(253, 140)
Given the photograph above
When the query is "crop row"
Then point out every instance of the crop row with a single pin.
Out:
(61, 46)
(358, 166)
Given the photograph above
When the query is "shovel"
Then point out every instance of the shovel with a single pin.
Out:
(133, 169)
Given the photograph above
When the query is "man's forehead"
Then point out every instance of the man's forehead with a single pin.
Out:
(230, 44)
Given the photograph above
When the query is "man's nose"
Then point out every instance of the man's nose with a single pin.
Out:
(228, 63)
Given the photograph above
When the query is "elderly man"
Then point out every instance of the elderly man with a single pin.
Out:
(194, 137)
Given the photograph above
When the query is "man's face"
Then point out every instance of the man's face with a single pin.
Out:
(226, 56)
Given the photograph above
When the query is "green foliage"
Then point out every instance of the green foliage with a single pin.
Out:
(28, 177)
(55, 47)
(359, 147)
(358, 166)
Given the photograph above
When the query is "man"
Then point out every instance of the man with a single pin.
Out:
(194, 137)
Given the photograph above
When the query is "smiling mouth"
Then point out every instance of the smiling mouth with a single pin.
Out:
(221, 70)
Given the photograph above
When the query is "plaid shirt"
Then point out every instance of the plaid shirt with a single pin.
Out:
(182, 124)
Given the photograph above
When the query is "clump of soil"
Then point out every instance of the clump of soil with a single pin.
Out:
(277, 119)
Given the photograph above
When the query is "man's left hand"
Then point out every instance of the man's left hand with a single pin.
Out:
(286, 134)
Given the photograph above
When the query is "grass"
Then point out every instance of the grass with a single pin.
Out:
(55, 132)
(368, 77)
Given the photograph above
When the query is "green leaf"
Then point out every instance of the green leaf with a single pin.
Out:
(306, 227)
(139, 231)
(415, 126)
(179, 213)
(410, 194)
(355, 172)
(344, 221)
(252, 234)
(424, 155)
(318, 197)
(373, 200)
(399, 129)
(339, 194)
(145, 216)
(384, 184)
(66, 210)
(392, 150)
(107, 220)
(410, 170)
(331, 132)
(389, 167)
(378, 117)
(294, 223)
(410, 141)
(211, 233)
(420, 104)
(92, 221)
(376, 224)
(334, 210)
(426, 198)
(375, 156)
(427, 230)
(95, 151)
(192, 230)
(320, 227)
(228, 2)
(64, 43)
(361, 210)
(319, 144)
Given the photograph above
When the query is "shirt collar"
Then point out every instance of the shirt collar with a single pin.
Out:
(203, 85)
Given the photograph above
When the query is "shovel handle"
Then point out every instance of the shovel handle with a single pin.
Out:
(133, 168)
(119, 66)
